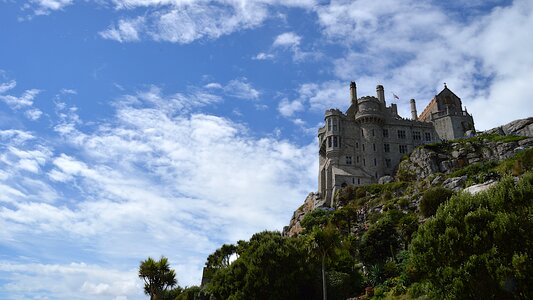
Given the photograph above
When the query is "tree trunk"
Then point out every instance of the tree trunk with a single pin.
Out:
(324, 291)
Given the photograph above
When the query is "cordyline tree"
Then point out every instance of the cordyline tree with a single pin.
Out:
(322, 243)
(157, 276)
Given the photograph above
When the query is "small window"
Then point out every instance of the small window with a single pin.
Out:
(329, 124)
(348, 160)
(353, 180)
(416, 136)
(403, 148)
(335, 124)
(358, 180)
(335, 145)
(374, 145)
(401, 134)
(356, 145)
(428, 137)
(375, 162)
(364, 162)
(362, 133)
(329, 142)
(357, 159)
(385, 133)
(386, 147)
(373, 133)
(363, 147)
(387, 162)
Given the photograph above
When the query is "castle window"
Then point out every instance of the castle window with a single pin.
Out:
(362, 133)
(348, 160)
(387, 162)
(373, 134)
(386, 147)
(375, 162)
(329, 142)
(364, 162)
(428, 137)
(357, 159)
(374, 146)
(329, 124)
(403, 148)
(335, 124)
(416, 136)
(356, 145)
(401, 134)
(335, 145)
(363, 147)
(353, 180)
(385, 133)
(358, 180)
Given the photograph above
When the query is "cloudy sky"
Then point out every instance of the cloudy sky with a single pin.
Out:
(136, 128)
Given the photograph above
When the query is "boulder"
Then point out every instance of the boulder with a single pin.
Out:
(477, 188)
(385, 179)
(455, 184)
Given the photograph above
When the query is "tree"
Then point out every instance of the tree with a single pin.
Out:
(157, 277)
(323, 242)
(479, 246)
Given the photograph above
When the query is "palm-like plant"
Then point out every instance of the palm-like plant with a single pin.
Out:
(323, 242)
(157, 276)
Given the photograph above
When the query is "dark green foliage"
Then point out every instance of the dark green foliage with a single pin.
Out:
(269, 267)
(380, 242)
(479, 247)
(475, 169)
(318, 217)
(190, 293)
(431, 200)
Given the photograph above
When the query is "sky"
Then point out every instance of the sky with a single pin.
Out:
(136, 128)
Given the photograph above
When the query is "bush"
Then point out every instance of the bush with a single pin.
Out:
(479, 246)
(431, 200)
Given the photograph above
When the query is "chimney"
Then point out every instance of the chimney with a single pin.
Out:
(353, 92)
(381, 94)
(414, 115)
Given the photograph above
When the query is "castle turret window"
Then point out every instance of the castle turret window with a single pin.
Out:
(329, 142)
(362, 133)
(386, 147)
(335, 124)
(428, 137)
(401, 134)
(385, 133)
(348, 160)
(335, 145)
(329, 124)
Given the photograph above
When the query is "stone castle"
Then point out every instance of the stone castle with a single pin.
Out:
(368, 141)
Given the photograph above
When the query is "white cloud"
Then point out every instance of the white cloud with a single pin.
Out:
(287, 108)
(263, 56)
(26, 99)
(240, 88)
(45, 7)
(287, 39)
(124, 31)
(6, 86)
(33, 114)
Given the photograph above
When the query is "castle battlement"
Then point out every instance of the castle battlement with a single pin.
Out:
(368, 140)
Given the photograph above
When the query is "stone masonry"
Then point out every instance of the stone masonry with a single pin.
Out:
(368, 141)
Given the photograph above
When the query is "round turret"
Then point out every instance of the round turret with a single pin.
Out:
(369, 109)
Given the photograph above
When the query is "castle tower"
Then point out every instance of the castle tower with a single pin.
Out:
(370, 118)
(414, 115)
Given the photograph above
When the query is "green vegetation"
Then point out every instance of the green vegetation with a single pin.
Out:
(431, 200)
(157, 276)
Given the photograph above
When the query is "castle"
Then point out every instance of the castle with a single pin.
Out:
(368, 141)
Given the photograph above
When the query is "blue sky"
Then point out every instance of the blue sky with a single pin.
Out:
(136, 128)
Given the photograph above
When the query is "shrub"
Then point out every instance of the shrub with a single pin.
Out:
(431, 200)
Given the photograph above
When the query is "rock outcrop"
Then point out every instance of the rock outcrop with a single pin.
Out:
(523, 127)
(294, 228)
